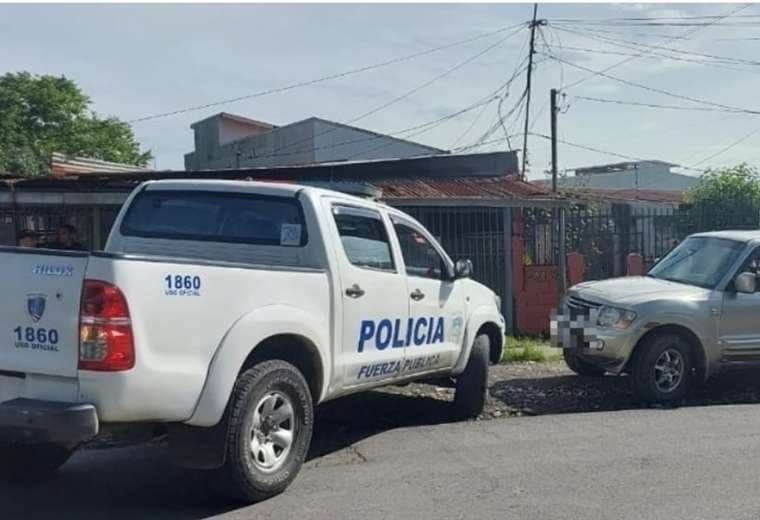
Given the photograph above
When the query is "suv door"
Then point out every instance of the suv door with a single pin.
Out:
(739, 328)
(437, 300)
(375, 303)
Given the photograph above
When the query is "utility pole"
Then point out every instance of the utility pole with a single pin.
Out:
(553, 104)
(559, 213)
(532, 51)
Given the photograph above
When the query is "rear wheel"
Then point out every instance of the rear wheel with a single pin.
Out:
(269, 426)
(32, 461)
(662, 368)
(472, 384)
(579, 366)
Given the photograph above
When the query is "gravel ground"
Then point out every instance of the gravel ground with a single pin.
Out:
(516, 389)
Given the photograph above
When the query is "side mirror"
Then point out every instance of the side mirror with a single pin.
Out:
(746, 283)
(463, 269)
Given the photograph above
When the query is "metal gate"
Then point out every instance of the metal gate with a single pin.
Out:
(477, 233)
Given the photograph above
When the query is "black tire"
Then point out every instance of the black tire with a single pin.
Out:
(32, 461)
(472, 384)
(579, 366)
(241, 478)
(651, 353)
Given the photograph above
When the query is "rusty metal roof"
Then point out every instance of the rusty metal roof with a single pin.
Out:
(625, 195)
(501, 187)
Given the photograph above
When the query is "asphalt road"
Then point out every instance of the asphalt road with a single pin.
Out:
(690, 463)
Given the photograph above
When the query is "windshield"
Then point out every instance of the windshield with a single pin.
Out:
(700, 261)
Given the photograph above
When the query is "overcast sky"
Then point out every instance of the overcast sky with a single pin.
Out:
(139, 60)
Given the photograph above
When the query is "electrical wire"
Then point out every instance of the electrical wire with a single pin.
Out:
(727, 147)
(408, 93)
(686, 33)
(605, 152)
(322, 79)
(655, 105)
(657, 90)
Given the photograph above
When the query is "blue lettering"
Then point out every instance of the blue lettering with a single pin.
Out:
(380, 342)
(396, 341)
(438, 335)
(419, 340)
(363, 371)
(366, 332)
(430, 331)
(409, 324)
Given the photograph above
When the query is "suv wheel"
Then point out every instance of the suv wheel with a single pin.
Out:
(269, 424)
(579, 366)
(663, 368)
(472, 384)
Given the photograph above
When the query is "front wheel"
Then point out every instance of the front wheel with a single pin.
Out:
(662, 369)
(269, 426)
(32, 461)
(472, 384)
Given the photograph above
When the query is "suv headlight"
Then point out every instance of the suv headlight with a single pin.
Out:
(612, 317)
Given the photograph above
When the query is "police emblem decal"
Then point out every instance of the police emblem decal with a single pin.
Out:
(35, 305)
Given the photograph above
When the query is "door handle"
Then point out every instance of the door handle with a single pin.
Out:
(354, 291)
(417, 295)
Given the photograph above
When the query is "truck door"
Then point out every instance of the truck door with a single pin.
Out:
(375, 302)
(437, 302)
(739, 329)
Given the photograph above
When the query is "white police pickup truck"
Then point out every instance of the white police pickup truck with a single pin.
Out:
(225, 311)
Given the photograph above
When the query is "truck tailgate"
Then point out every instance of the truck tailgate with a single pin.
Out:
(39, 310)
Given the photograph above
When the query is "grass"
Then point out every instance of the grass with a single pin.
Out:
(529, 349)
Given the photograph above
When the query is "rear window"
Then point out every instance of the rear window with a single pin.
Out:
(216, 217)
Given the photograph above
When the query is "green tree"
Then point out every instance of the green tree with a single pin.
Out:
(40, 115)
(725, 198)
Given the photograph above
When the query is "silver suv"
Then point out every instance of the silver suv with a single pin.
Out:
(695, 310)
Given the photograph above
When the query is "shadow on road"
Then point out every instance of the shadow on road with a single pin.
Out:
(576, 394)
(140, 482)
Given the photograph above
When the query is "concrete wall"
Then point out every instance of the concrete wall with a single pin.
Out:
(305, 142)
(335, 142)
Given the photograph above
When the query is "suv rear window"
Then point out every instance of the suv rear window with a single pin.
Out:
(216, 217)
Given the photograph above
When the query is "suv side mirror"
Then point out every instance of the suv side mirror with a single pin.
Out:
(746, 283)
(463, 269)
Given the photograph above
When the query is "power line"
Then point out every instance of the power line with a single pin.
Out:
(605, 152)
(728, 147)
(647, 18)
(628, 44)
(409, 92)
(655, 105)
(653, 89)
(626, 60)
(664, 56)
(324, 78)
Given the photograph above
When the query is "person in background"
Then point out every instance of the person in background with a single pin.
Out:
(27, 238)
(66, 238)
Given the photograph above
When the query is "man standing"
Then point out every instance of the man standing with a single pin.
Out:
(66, 239)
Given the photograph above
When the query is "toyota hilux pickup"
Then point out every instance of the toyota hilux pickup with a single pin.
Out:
(224, 312)
(697, 309)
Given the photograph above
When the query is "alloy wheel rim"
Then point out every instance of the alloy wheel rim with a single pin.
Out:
(669, 370)
(272, 432)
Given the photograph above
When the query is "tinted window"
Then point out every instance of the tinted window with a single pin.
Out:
(420, 257)
(364, 238)
(218, 217)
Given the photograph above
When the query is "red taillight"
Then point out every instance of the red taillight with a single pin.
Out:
(105, 330)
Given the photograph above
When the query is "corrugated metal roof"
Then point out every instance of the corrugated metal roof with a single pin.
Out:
(501, 187)
(626, 194)
(62, 165)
